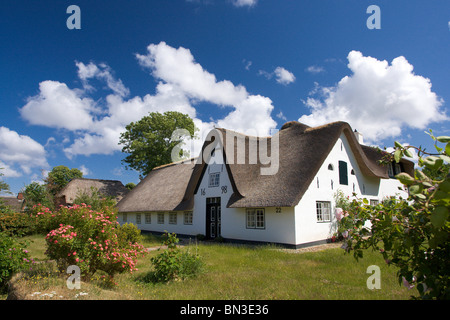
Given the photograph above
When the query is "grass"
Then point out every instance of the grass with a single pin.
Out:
(233, 272)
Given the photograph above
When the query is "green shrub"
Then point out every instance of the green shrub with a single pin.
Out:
(174, 264)
(89, 239)
(128, 232)
(17, 224)
(13, 258)
(412, 234)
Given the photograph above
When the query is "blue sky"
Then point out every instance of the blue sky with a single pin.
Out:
(247, 65)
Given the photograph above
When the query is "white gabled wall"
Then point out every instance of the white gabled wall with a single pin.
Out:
(279, 222)
(325, 185)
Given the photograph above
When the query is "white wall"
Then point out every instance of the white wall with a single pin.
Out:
(294, 225)
(278, 225)
(307, 229)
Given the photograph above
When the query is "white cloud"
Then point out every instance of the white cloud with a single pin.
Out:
(182, 83)
(378, 99)
(315, 69)
(284, 76)
(101, 72)
(177, 67)
(281, 116)
(58, 106)
(243, 3)
(85, 171)
(7, 171)
(20, 151)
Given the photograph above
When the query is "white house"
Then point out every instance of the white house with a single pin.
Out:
(276, 189)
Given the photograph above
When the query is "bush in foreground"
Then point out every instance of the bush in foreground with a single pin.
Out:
(174, 264)
(13, 258)
(89, 239)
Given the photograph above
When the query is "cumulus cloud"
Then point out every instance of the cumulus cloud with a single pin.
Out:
(101, 72)
(284, 76)
(58, 106)
(84, 170)
(379, 99)
(182, 83)
(244, 3)
(20, 151)
(178, 68)
(315, 69)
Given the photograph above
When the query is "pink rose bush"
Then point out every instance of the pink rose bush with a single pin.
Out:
(89, 239)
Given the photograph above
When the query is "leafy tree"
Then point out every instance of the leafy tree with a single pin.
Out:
(95, 199)
(412, 234)
(151, 140)
(59, 177)
(130, 185)
(36, 193)
(4, 187)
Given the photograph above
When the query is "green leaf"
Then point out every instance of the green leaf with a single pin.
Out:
(397, 155)
(421, 176)
(415, 189)
(444, 139)
(445, 186)
(433, 162)
(439, 216)
(365, 201)
(398, 144)
(408, 153)
(447, 149)
(405, 178)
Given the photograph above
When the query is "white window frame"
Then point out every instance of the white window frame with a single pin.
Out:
(255, 218)
(173, 217)
(148, 218)
(161, 218)
(138, 218)
(323, 211)
(214, 179)
(188, 217)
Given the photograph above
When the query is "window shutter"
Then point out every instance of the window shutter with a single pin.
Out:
(343, 173)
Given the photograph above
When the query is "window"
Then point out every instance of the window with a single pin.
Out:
(343, 173)
(323, 210)
(374, 202)
(160, 217)
(138, 218)
(173, 218)
(188, 217)
(148, 218)
(330, 167)
(214, 179)
(390, 170)
(255, 219)
(124, 217)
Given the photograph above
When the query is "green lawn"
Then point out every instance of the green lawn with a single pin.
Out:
(243, 272)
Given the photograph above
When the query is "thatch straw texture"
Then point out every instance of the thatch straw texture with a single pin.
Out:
(110, 188)
(301, 152)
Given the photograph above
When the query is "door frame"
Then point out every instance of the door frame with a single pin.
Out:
(213, 218)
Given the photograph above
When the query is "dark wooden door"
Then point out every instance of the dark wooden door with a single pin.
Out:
(213, 218)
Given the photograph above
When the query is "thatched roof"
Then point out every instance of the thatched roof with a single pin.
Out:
(302, 151)
(15, 203)
(161, 190)
(110, 188)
